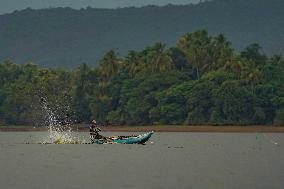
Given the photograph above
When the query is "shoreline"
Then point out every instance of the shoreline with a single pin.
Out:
(206, 129)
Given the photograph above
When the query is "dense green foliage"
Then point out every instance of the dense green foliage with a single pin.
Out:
(201, 80)
(64, 37)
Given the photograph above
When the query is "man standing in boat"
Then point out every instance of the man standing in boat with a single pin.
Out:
(94, 132)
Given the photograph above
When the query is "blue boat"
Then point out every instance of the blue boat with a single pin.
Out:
(138, 139)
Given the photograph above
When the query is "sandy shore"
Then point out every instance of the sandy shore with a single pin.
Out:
(218, 129)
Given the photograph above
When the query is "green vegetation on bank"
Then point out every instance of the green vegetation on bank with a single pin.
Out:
(201, 80)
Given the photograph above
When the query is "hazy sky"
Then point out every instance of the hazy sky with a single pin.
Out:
(7, 6)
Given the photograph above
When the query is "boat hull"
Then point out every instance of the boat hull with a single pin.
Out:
(140, 139)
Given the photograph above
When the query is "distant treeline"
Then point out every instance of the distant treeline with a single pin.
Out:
(200, 81)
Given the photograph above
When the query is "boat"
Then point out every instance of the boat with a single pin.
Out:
(133, 139)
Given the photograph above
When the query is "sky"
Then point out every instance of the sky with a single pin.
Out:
(7, 6)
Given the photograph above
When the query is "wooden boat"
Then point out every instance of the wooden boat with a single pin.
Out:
(137, 139)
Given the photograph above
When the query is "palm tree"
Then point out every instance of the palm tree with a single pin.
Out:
(109, 65)
(134, 63)
(196, 47)
(251, 74)
(160, 61)
(235, 66)
(222, 52)
(254, 78)
(152, 59)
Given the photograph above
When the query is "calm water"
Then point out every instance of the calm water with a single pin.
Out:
(173, 160)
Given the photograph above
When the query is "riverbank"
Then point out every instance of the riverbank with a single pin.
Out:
(226, 129)
(160, 128)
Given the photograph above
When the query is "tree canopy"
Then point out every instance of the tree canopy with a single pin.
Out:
(201, 80)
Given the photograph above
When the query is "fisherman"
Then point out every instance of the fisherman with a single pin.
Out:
(94, 132)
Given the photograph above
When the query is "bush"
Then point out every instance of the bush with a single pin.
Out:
(279, 118)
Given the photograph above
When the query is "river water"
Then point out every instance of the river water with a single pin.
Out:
(168, 161)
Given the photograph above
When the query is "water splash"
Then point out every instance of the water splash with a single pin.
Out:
(60, 129)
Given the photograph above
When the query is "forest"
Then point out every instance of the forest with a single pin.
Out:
(201, 80)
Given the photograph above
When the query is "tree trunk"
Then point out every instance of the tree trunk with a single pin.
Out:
(197, 72)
